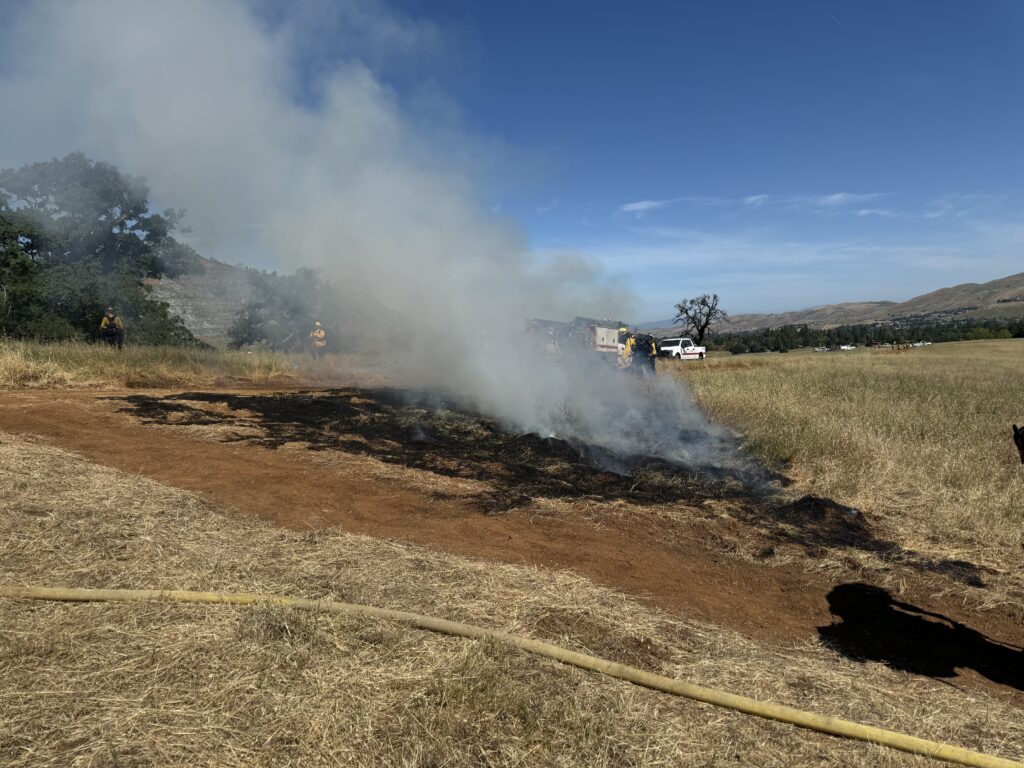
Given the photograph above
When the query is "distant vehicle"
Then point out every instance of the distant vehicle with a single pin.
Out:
(847, 346)
(583, 334)
(821, 349)
(921, 344)
(681, 349)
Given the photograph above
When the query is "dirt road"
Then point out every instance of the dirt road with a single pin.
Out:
(671, 561)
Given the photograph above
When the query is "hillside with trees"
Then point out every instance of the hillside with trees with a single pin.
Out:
(281, 310)
(1002, 298)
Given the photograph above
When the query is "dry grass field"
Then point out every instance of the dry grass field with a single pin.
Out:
(920, 440)
(75, 365)
(165, 684)
(25, 364)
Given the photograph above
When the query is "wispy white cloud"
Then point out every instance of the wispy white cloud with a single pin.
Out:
(774, 252)
(768, 269)
(962, 205)
(840, 199)
(640, 207)
(851, 251)
(951, 206)
(542, 209)
(695, 251)
(834, 201)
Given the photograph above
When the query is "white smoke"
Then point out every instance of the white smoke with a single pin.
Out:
(327, 169)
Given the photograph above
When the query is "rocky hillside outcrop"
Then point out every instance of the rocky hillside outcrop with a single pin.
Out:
(207, 299)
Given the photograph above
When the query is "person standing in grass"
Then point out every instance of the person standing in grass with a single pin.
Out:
(627, 346)
(112, 329)
(319, 337)
(652, 356)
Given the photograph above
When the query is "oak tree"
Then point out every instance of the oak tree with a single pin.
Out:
(698, 314)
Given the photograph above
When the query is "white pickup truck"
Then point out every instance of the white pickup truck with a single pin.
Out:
(681, 349)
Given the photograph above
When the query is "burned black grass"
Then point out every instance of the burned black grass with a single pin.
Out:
(428, 432)
(431, 431)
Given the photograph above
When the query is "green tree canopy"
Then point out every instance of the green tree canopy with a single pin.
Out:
(282, 309)
(77, 236)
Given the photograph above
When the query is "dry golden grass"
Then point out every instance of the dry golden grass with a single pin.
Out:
(25, 364)
(919, 440)
(60, 366)
(169, 684)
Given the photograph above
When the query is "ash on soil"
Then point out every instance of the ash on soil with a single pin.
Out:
(425, 431)
(431, 432)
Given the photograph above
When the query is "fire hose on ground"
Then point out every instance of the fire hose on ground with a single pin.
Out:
(824, 724)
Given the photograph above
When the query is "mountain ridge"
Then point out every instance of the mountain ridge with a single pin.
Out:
(1002, 297)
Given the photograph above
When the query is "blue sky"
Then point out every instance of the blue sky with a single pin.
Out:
(783, 154)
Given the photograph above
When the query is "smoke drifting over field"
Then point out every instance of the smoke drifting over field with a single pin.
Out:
(215, 103)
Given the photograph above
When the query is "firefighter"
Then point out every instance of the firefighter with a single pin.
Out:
(641, 365)
(650, 349)
(627, 346)
(112, 329)
(319, 337)
(551, 346)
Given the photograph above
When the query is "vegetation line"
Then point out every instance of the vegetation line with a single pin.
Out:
(768, 710)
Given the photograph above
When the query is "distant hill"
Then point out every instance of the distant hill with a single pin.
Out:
(654, 324)
(999, 298)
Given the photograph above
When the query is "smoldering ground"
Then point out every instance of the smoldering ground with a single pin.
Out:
(436, 433)
(282, 164)
(437, 436)
(613, 419)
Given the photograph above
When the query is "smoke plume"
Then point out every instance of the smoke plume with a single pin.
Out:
(288, 150)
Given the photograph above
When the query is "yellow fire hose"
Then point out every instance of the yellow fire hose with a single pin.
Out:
(765, 709)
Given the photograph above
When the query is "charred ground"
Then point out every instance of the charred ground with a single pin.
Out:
(426, 431)
(430, 431)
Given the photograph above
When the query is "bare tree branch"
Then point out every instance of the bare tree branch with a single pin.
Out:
(698, 314)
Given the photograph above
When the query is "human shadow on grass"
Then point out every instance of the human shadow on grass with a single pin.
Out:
(431, 431)
(870, 625)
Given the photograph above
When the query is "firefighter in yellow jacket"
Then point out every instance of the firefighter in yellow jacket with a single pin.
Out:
(319, 337)
(627, 346)
(645, 356)
(112, 328)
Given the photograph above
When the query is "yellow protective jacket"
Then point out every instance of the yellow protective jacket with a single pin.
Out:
(114, 321)
(626, 353)
(319, 337)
